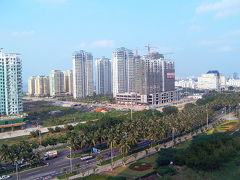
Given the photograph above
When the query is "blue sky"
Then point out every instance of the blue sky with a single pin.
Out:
(202, 34)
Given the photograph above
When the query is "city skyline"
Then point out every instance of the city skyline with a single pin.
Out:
(202, 35)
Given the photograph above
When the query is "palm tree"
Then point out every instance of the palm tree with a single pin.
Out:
(124, 147)
(100, 158)
(5, 153)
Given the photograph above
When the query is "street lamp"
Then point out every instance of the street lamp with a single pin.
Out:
(39, 133)
(111, 155)
(70, 150)
(17, 170)
(173, 136)
(207, 116)
(229, 112)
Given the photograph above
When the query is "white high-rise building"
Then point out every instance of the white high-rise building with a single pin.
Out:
(10, 84)
(56, 80)
(104, 76)
(31, 85)
(68, 82)
(123, 71)
(82, 74)
(42, 87)
(38, 86)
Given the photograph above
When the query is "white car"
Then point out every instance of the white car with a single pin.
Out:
(86, 157)
(4, 177)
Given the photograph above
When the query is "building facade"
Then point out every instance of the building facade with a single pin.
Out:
(123, 71)
(10, 84)
(31, 85)
(103, 76)
(56, 81)
(38, 86)
(68, 82)
(154, 81)
(82, 74)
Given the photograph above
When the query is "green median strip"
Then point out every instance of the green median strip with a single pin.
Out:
(109, 160)
(65, 176)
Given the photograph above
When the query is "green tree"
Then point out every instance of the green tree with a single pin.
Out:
(170, 110)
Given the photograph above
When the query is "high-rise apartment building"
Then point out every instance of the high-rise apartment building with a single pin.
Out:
(82, 74)
(42, 87)
(38, 86)
(56, 80)
(154, 81)
(31, 85)
(123, 71)
(10, 84)
(104, 76)
(68, 82)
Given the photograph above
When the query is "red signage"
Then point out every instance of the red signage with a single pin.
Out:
(170, 75)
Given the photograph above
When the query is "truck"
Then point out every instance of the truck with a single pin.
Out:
(50, 155)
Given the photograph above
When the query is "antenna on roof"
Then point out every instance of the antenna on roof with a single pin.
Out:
(1, 49)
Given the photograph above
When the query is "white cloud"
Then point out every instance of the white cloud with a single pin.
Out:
(232, 34)
(209, 42)
(103, 43)
(196, 28)
(225, 49)
(227, 12)
(82, 45)
(222, 8)
(97, 44)
(23, 33)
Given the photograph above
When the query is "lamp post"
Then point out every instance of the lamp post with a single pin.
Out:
(229, 112)
(173, 136)
(39, 134)
(17, 170)
(111, 155)
(207, 116)
(70, 151)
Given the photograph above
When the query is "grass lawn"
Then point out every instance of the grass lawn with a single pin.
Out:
(131, 174)
(183, 145)
(15, 140)
(81, 116)
(101, 177)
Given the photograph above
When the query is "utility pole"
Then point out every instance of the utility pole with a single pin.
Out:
(111, 155)
(229, 112)
(131, 105)
(173, 136)
(17, 170)
(71, 167)
(39, 133)
(207, 116)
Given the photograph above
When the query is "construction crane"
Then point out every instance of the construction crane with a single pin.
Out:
(149, 48)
